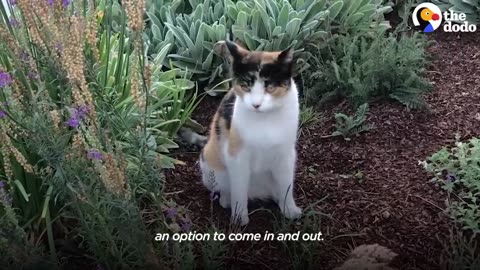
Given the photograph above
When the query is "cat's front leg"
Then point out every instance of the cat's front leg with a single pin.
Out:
(225, 198)
(283, 173)
(239, 175)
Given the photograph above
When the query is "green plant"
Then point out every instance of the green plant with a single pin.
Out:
(260, 25)
(301, 252)
(85, 123)
(192, 37)
(308, 117)
(457, 171)
(362, 16)
(364, 68)
(348, 126)
(16, 251)
(156, 34)
(275, 24)
(460, 251)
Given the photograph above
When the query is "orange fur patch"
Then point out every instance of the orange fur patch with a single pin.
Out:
(212, 151)
(278, 91)
(234, 142)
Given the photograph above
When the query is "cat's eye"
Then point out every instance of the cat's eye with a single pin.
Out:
(245, 87)
(270, 89)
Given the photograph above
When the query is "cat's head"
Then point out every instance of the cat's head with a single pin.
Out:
(262, 80)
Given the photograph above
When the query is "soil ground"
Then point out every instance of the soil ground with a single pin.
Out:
(373, 189)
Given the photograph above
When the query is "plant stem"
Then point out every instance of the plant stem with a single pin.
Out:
(51, 243)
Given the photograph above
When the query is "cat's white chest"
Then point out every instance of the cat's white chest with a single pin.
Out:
(267, 137)
(266, 130)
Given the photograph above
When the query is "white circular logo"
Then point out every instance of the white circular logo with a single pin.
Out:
(427, 16)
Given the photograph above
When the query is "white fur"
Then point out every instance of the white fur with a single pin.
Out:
(264, 167)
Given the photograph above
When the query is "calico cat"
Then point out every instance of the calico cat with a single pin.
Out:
(250, 152)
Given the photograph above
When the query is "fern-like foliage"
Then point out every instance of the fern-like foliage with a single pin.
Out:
(348, 126)
(364, 67)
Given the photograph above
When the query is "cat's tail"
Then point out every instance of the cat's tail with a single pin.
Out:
(191, 137)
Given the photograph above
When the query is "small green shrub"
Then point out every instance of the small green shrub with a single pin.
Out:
(308, 117)
(461, 251)
(259, 24)
(348, 126)
(86, 121)
(457, 170)
(276, 24)
(191, 38)
(364, 68)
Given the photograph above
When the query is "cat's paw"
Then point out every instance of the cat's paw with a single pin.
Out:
(224, 201)
(241, 219)
(292, 212)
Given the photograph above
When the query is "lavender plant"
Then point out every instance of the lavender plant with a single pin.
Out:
(457, 170)
(85, 123)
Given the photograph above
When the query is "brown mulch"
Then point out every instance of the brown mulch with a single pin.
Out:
(374, 190)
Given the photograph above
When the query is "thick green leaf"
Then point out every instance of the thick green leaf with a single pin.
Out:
(334, 9)
(242, 19)
(282, 18)
(351, 20)
(293, 26)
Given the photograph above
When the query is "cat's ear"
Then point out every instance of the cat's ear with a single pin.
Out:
(235, 50)
(286, 56)
(229, 50)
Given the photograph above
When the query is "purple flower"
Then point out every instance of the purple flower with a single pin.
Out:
(65, 3)
(451, 177)
(94, 154)
(13, 2)
(81, 111)
(78, 115)
(24, 57)
(4, 196)
(186, 225)
(50, 2)
(171, 212)
(13, 22)
(5, 104)
(33, 75)
(5, 79)
(73, 122)
(59, 47)
(2, 114)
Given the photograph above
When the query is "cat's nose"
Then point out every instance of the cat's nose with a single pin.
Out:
(256, 106)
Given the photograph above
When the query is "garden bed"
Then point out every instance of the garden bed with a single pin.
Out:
(372, 188)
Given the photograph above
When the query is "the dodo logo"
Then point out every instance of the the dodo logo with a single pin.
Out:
(427, 17)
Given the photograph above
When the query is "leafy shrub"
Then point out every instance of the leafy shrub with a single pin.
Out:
(308, 117)
(16, 251)
(276, 24)
(192, 38)
(363, 68)
(85, 123)
(461, 251)
(457, 170)
(258, 24)
(194, 44)
(348, 126)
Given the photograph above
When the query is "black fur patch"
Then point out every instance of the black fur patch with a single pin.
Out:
(276, 73)
(243, 69)
(226, 111)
